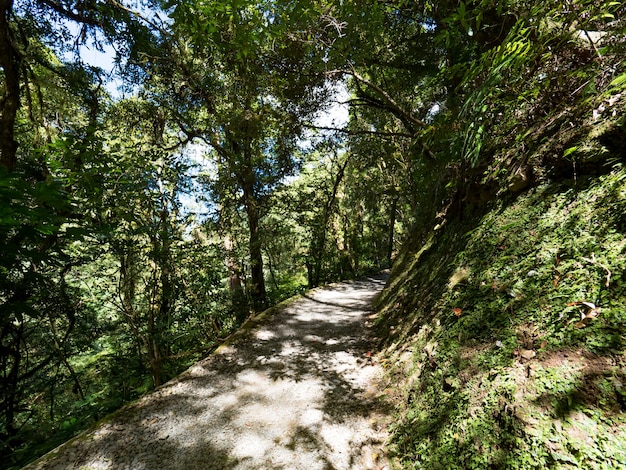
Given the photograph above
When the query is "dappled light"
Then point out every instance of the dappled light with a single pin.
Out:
(178, 179)
(299, 390)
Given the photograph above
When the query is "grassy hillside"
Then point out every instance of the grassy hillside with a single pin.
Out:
(505, 325)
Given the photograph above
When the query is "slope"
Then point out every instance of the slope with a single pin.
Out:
(505, 321)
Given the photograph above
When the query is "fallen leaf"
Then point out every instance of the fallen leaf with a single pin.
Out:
(458, 311)
(528, 354)
(544, 343)
(587, 313)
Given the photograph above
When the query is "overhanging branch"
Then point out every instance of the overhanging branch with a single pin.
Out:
(427, 151)
(392, 104)
(360, 132)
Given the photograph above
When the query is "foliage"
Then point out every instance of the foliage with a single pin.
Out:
(341, 215)
(39, 309)
(110, 283)
(505, 308)
(500, 345)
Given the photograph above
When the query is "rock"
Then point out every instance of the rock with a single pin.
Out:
(527, 354)
(520, 180)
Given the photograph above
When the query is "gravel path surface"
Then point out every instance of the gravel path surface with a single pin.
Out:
(296, 391)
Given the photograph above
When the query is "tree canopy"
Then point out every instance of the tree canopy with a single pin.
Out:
(138, 228)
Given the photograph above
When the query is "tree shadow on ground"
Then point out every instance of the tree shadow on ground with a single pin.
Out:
(292, 392)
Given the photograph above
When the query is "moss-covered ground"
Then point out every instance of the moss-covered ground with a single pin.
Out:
(505, 333)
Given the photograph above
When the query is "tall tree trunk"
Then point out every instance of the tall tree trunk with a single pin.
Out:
(10, 99)
(316, 252)
(155, 359)
(235, 285)
(257, 289)
(392, 226)
(238, 157)
(258, 294)
(270, 267)
(161, 319)
(318, 243)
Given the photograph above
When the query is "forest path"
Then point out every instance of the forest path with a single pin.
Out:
(295, 391)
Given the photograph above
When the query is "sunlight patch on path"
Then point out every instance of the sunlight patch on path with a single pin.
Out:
(296, 392)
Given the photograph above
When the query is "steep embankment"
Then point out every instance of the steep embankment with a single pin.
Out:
(506, 328)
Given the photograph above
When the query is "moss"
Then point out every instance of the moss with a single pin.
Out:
(507, 371)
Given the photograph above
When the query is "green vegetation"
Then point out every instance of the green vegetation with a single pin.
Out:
(505, 315)
(140, 227)
(483, 155)
(516, 335)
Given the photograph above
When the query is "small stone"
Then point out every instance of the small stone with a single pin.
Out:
(520, 180)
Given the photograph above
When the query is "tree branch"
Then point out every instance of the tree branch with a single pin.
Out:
(70, 15)
(427, 151)
(392, 104)
(360, 132)
(87, 19)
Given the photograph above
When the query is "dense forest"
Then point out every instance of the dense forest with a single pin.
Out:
(237, 152)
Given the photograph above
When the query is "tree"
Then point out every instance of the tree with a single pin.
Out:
(318, 206)
(44, 105)
(247, 85)
(30, 28)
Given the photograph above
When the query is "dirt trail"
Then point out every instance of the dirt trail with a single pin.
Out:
(297, 391)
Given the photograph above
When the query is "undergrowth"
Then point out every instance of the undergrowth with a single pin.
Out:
(508, 334)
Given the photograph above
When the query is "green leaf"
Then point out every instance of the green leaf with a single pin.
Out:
(570, 151)
(619, 81)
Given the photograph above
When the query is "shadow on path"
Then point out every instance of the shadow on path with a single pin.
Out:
(295, 392)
